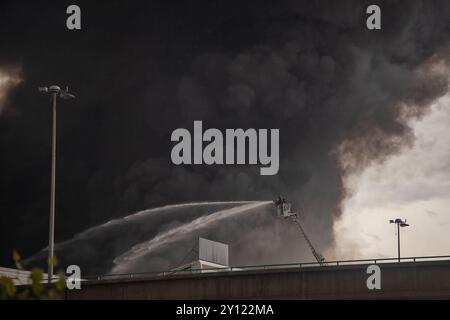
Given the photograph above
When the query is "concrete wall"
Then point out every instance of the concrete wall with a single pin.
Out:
(405, 280)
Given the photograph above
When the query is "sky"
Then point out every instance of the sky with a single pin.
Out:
(356, 109)
(412, 185)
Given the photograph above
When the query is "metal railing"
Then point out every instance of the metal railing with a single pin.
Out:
(336, 263)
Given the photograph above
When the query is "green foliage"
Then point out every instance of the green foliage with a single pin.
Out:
(37, 289)
(17, 260)
(60, 285)
(7, 288)
(53, 261)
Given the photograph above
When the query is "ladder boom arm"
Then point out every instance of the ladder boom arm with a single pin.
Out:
(320, 259)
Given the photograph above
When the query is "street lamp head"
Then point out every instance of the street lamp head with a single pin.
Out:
(400, 222)
(54, 89)
(64, 94)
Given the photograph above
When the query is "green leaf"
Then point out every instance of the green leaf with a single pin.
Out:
(60, 285)
(7, 288)
(37, 287)
(53, 261)
(17, 260)
(16, 256)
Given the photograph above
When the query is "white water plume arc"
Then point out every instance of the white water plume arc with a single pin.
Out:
(120, 234)
(146, 212)
(138, 215)
(176, 233)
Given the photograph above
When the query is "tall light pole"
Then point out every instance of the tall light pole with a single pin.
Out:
(55, 92)
(400, 223)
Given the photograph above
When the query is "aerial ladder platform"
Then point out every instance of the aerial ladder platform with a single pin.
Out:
(284, 210)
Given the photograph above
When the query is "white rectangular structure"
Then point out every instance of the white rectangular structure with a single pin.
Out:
(213, 251)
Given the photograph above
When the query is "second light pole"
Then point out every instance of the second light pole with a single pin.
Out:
(400, 223)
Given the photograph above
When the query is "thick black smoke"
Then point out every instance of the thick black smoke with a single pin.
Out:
(340, 94)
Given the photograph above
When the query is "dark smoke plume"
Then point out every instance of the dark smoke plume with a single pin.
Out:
(340, 94)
